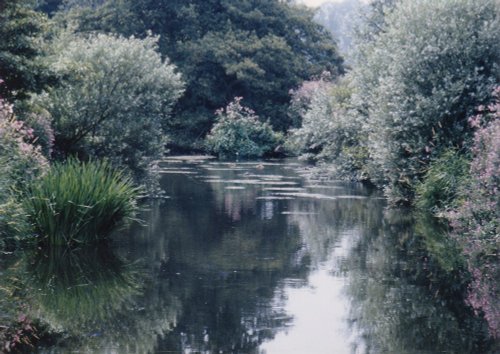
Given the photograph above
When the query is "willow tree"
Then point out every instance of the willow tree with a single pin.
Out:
(420, 79)
(114, 99)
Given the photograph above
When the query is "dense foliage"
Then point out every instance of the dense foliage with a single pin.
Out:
(21, 31)
(225, 49)
(421, 69)
(330, 128)
(440, 189)
(239, 133)
(114, 99)
(477, 219)
(422, 77)
(80, 202)
(20, 162)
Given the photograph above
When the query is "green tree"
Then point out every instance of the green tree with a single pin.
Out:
(21, 29)
(255, 49)
(114, 100)
(420, 79)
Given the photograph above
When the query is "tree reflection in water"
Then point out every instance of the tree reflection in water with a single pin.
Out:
(222, 257)
(407, 288)
(271, 261)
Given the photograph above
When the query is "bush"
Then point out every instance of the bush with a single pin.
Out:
(440, 188)
(114, 99)
(329, 130)
(476, 221)
(239, 133)
(418, 82)
(80, 202)
(20, 163)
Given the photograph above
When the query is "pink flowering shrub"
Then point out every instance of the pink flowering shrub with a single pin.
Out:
(20, 162)
(21, 159)
(477, 220)
(302, 97)
(41, 128)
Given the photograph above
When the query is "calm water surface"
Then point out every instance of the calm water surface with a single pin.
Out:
(258, 258)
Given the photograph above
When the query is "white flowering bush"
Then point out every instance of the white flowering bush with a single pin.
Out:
(330, 130)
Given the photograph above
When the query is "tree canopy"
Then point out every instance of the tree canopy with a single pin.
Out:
(418, 81)
(256, 49)
(21, 29)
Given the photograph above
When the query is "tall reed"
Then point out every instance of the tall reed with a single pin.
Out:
(80, 202)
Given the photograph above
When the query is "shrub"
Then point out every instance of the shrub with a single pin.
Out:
(329, 130)
(418, 82)
(476, 221)
(114, 99)
(238, 132)
(79, 202)
(39, 122)
(20, 163)
(440, 188)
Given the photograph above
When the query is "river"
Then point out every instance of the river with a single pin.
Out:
(257, 257)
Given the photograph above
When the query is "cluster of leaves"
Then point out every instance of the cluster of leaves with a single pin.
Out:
(477, 220)
(80, 202)
(440, 189)
(17, 335)
(21, 30)
(239, 133)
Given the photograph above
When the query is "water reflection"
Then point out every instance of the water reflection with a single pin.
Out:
(257, 258)
(406, 297)
(225, 257)
(77, 289)
(97, 300)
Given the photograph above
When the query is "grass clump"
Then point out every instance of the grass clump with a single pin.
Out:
(80, 202)
(441, 185)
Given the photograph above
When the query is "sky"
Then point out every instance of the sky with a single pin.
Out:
(315, 3)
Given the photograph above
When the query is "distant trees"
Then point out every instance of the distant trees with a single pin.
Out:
(114, 98)
(258, 50)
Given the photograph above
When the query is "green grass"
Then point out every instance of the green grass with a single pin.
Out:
(440, 187)
(78, 202)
